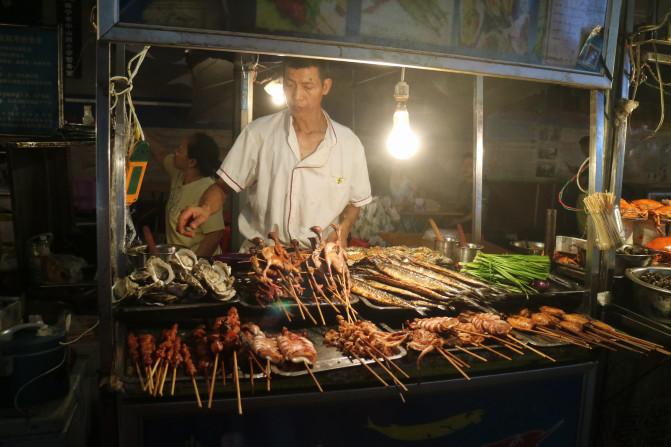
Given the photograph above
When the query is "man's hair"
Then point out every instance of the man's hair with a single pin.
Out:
(298, 63)
(202, 148)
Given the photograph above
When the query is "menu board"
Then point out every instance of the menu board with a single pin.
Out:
(29, 81)
(536, 32)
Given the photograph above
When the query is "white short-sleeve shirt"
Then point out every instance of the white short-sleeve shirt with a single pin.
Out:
(286, 192)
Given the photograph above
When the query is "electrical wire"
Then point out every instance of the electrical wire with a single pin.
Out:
(31, 381)
(575, 177)
(80, 336)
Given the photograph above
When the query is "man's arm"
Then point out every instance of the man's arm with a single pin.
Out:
(348, 218)
(209, 244)
(212, 201)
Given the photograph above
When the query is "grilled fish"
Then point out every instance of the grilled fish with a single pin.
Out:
(411, 277)
(456, 275)
(379, 296)
(456, 285)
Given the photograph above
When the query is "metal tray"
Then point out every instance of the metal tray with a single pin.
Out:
(537, 340)
(246, 300)
(205, 303)
(328, 357)
(420, 311)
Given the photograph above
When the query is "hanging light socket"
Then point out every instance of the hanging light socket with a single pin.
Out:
(402, 142)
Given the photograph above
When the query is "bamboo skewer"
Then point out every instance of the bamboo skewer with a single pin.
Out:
(251, 374)
(314, 379)
(150, 384)
(195, 388)
(388, 371)
(479, 357)
(284, 309)
(174, 378)
(382, 381)
(237, 381)
(268, 375)
(319, 309)
(212, 382)
(453, 363)
(459, 361)
(536, 351)
(165, 374)
(139, 375)
(387, 359)
(493, 351)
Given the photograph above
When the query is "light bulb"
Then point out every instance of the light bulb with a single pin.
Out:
(276, 91)
(402, 142)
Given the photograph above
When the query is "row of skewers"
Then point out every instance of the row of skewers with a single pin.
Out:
(470, 334)
(282, 274)
(579, 330)
(225, 342)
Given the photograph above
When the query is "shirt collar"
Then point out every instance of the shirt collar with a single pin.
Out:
(321, 155)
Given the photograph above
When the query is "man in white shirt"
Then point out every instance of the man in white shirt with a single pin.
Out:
(298, 167)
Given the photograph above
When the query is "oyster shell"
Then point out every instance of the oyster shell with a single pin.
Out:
(185, 258)
(124, 288)
(217, 278)
(161, 272)
(187, 278)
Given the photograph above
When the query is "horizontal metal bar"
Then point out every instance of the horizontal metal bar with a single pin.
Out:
(664, 59)
(137, 102)
(280, 45)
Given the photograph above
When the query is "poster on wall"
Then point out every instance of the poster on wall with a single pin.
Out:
(319, 17)
(30, 93)
(430, 22)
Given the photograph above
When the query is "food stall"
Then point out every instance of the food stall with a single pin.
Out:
(358, 331)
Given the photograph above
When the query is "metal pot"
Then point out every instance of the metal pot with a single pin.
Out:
(468, 252)
(138, 255)
(652, 301)
(528, 247)
(625, 260)
(448, 247)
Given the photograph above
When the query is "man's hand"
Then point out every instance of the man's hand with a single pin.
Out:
(191, 218)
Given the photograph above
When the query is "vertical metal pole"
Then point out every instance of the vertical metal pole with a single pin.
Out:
(596, 184)
(118, 172)
(103, 204)
(478, 155)
(243, 75)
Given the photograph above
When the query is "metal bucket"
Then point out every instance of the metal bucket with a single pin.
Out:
(468, 252)
(138, 255)
(448, 247)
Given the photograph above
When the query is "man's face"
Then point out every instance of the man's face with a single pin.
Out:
(182, 160)
(304, 89)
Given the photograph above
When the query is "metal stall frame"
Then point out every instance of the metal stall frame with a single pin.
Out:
(110, 168)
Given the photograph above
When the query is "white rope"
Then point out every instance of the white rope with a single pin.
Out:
(80, 336)
(577, 177)
(132, 122)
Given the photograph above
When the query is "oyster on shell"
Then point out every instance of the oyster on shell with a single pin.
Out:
(185, 258)
(217, 277)
(187, 278)
(161, 272)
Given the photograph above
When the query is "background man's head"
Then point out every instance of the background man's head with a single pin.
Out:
(306, 82)
(198, 151)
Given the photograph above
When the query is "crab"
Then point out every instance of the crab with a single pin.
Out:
(646, 204)
(663, 212)
(631, 211)
(662, 245)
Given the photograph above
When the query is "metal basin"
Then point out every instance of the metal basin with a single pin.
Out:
(652, 301)
(138, 255)
(448, 247)
(625, 260)
(528, 247)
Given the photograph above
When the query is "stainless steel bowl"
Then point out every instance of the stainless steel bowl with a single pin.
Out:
(138, 255)
(652, 301)
(528, 247)
(448, 247)
(624, 260)
(468, 252)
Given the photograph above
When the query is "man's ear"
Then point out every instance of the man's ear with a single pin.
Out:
(326, 86)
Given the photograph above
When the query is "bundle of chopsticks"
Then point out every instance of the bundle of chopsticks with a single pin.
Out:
(604, 215)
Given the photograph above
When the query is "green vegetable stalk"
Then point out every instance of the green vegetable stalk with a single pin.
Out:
(513, 273)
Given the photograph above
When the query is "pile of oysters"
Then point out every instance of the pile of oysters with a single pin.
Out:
(182, 277)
